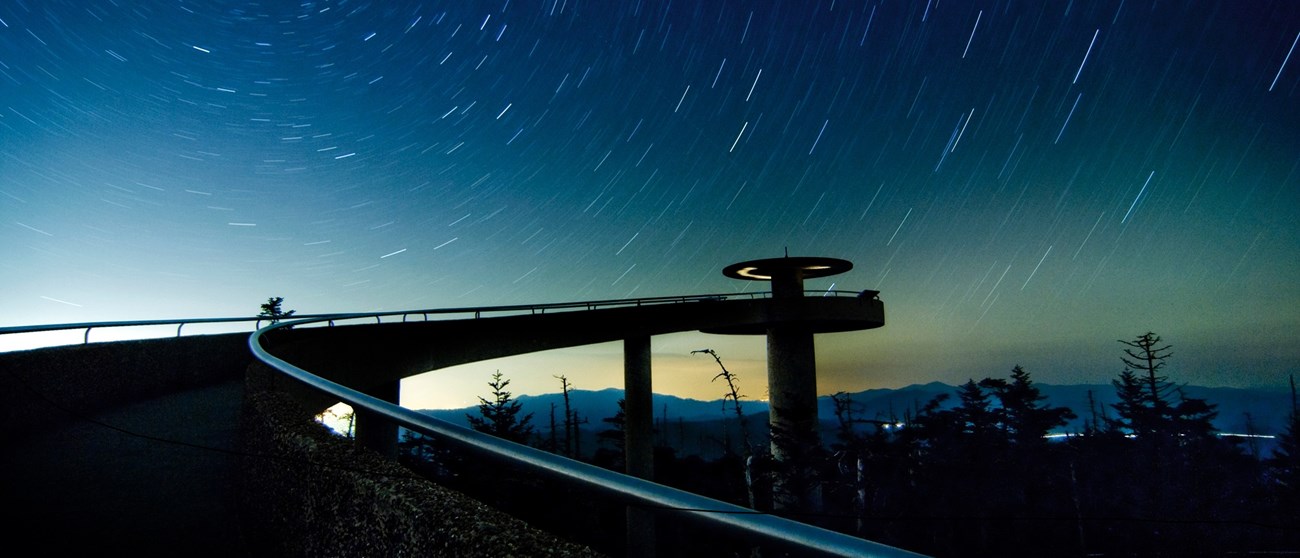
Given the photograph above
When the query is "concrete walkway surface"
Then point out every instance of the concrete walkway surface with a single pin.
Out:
(154, 478)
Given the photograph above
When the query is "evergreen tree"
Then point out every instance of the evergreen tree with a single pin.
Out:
(271, 309)
(500, 416)
(955, 462)
(415, 446)
(1133, 416)
(1147, 408)
(614, 436)
(1175, 466)
(1022, 415)
(928, 427)
(973, 414)
(1286, 456)
(1285, 465)
(935, 432)
(1033, 477)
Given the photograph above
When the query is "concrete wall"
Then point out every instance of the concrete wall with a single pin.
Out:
(44, 388)
(302, 490)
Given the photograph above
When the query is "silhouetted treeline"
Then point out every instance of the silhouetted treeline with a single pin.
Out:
(1146, 476)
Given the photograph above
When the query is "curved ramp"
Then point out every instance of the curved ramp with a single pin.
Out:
(361, 366)
(365, 356)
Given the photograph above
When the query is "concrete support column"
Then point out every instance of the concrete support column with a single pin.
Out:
(638, 443)
(375, 432)
(787, 283)
(792, 387)
(638, 408)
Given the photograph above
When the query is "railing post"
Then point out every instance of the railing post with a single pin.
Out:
(638, 432)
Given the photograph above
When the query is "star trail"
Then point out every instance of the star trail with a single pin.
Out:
(1024, 182)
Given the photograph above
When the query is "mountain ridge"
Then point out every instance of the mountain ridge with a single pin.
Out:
(1241, 410)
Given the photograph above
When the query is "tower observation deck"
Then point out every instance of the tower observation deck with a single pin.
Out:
(372, 359)
(790, 323)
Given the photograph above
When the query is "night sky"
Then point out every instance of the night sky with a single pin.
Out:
(1025, 182)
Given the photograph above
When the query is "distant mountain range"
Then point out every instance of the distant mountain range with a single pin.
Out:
(703, 428)
(1267, 408)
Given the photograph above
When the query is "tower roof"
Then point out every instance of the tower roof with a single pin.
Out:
(809, 267)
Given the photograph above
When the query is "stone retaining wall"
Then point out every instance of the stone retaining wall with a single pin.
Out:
(309, 492)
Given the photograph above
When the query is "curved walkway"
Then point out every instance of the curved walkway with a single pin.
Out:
(154, 478)
(160, 477)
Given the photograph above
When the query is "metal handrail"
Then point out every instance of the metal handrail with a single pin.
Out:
(635, 491)
(808, 539)
(477, 312)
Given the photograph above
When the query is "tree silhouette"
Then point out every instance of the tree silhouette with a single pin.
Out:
(1146, 406)
(733, 394)
(1023, 417)
(572, 440)
(846, 433)
(500, 416)
(551, 443)
(1285, 467)
(972, 463)
(974, 475)
(1161, 458)
(973, 414)
(756, 468)
(271, 309)
(614, 435)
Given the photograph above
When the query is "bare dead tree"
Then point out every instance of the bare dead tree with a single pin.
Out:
(570, 417)
(732, 394)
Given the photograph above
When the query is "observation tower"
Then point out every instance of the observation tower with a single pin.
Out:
(372, 359)
(790, 322)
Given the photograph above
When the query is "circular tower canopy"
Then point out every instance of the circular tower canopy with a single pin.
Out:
(787, 274)
(807, 268)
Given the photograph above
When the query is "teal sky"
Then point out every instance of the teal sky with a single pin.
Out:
(1024, 182)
